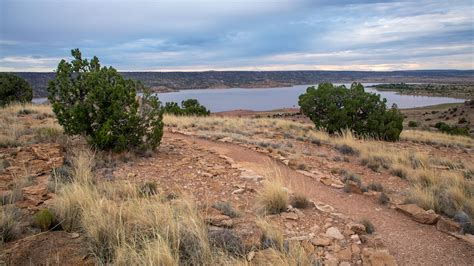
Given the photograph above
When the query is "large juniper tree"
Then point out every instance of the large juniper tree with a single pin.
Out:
(99, 103)
(336, 108)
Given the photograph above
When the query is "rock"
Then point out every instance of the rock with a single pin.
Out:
(447, 226)
(238, 191)
(249, 233)
(225, 139)
(356, 227)
(345, 254)
(377, 257)
(219, 220)
(326, 180)
(337, 184)
(334, 233)
(289, 216)
(344, 263)
(321, 241)
(418, 214)
(249, 174)
(75, 235)
(372, 241)
(324, 208)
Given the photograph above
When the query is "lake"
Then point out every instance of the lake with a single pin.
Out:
(218, 100)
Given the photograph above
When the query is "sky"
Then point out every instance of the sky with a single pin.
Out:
(200, 35)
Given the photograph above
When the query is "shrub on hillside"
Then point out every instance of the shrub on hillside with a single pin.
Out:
(452, 130)
(14, 89)
(337, 108)
(188, 107)
(412, 124)
(99, 103)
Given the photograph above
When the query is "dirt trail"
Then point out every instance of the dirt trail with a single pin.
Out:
(409, 242)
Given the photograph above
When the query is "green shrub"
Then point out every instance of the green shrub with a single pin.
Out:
(44, 219)
(412, 124)
(452, 130)
(188, 107)
(99, 103)
(337, 108)
(14, 89)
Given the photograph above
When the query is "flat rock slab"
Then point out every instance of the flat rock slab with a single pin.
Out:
(418, 214)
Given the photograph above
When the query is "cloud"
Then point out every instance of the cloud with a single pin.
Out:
(239, 34)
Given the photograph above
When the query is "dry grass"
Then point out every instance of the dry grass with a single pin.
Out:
(16, 129)
(124, 226)
(274, 197)
(8, 223)
(437, 138)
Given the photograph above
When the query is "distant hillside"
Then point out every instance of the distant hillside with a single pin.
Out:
(166, 81)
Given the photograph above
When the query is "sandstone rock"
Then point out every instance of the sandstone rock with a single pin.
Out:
(334, 233)
(345, 254)
(344, 263)
(418, 214)
(377, 257)
(337, 184)
(289, 216)
(250, 255)
(357, 228)
(321, 241)
(447, 226)
(324, 208)
(326, 180)
(219, 220)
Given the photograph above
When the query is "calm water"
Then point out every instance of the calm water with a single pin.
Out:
(218, 100)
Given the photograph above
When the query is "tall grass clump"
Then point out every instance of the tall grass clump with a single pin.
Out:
(123, 226)
(274, 198)
(8, 223)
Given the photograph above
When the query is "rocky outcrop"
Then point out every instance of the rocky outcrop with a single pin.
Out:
(418, 214)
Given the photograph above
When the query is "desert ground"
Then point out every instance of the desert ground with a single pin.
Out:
(230, 190)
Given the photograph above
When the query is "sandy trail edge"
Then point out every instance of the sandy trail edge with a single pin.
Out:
(409, 242)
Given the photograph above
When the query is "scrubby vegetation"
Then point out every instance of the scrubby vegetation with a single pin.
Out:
(337, 108)
(14, 89)
(99, 103)
(452, 130)
(188, 107)
(463, 90)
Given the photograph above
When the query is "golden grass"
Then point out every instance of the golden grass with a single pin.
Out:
(437, 138)
(15, 130)
(273, 198)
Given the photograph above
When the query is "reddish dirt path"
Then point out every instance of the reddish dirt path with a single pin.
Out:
(409, 242)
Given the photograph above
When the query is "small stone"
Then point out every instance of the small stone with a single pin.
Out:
(357, 228)
(345, 254)
(321, 241)
(290, 216)
(334, 233)
(74, 235)
(344, 263)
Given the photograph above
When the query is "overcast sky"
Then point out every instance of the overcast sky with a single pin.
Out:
(167, 35)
